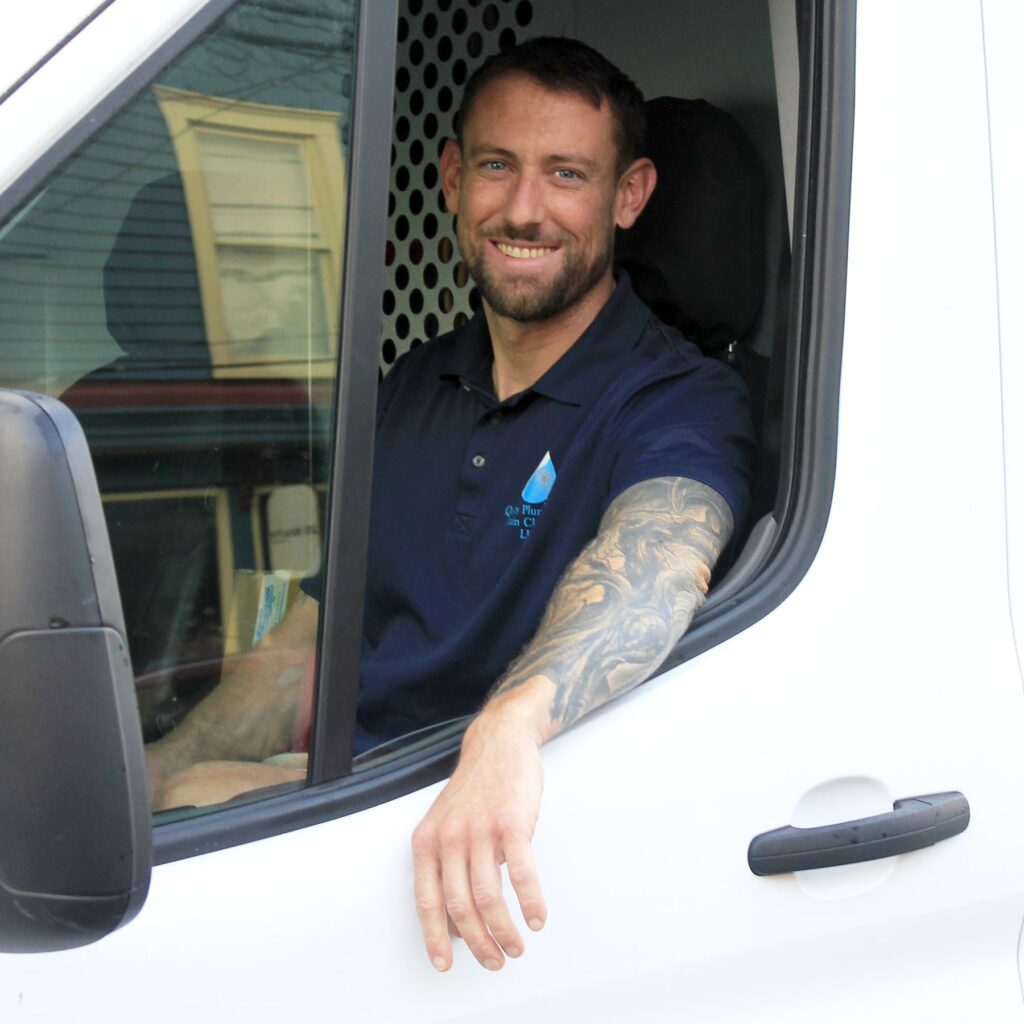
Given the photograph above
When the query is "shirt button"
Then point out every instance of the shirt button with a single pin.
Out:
(465, 387)
(478, 461)
(495, 417)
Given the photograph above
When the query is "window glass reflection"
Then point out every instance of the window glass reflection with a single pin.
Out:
(177, 284)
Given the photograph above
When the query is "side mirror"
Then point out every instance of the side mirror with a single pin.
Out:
(76, 842)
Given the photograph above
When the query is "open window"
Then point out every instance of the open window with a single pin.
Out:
(735, 249)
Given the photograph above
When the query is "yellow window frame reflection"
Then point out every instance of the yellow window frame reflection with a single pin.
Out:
(230, 248)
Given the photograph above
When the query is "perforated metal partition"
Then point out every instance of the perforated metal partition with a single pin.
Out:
(440, 44)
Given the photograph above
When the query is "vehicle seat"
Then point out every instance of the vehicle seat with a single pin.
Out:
(697, 253)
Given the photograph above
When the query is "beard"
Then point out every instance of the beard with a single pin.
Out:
(528, 300)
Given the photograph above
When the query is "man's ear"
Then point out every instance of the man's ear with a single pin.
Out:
(635, 188)
(451, 171)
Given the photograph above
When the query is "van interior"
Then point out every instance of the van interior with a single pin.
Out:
(214, 461)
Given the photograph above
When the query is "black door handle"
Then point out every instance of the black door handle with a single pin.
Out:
(912, 824)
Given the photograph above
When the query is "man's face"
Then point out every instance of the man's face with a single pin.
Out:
(536, 193)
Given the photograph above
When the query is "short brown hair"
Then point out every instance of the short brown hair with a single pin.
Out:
(567, 65)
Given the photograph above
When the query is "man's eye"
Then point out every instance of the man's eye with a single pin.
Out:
(567, 174)
(495, 165)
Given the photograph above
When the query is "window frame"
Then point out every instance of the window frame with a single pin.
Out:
(812, 350)
(790, 540)
(353, 421)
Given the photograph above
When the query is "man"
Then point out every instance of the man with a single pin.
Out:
(564, 417)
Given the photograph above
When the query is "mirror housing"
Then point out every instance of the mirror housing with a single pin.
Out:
(76, 841)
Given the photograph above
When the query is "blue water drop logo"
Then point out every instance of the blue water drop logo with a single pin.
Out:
(538, 487)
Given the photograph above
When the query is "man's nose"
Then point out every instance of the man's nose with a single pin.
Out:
(525, 207)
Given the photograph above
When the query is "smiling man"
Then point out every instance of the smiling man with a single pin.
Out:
(553, 484)
(641, 450)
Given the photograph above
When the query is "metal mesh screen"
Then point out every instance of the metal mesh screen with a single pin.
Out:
(440, 44)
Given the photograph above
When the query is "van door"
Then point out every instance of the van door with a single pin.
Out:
(224, 375)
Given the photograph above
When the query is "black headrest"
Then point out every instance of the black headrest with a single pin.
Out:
(696, 255)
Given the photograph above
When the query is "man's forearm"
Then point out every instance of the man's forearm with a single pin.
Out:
(250, 715)
(233, 722)
(623, 603)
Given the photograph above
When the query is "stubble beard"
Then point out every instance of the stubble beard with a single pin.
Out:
(527, 300)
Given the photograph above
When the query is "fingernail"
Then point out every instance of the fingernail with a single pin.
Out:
(491, 964)
(440, 963)
(535, 924)
(514, 951)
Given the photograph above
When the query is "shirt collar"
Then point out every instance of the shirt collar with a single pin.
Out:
(470, 357)
(579, 373)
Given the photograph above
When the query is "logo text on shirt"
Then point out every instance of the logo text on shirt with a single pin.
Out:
(522, 517)
(535, 493)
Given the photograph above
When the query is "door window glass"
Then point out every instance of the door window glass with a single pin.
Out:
(177, 284)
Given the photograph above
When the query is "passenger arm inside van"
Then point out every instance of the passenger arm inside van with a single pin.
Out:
(262, 703)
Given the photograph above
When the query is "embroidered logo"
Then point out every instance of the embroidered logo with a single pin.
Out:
(535, 493)
(538, 487)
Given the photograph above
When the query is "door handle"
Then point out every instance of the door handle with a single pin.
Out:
(912, 824)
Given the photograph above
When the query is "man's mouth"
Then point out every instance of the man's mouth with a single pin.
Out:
(524, 252)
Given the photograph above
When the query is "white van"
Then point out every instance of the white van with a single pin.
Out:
(798, 818)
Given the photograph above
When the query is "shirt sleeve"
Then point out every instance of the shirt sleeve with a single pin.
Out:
(696, 425)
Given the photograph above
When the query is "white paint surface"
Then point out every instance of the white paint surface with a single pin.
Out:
(33, 30)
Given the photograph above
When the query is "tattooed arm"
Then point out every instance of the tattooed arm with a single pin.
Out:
(625, 602)
(613, 618)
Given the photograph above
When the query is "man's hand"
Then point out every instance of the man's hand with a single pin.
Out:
(484, 818)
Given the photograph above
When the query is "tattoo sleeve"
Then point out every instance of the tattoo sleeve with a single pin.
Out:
(629, 596)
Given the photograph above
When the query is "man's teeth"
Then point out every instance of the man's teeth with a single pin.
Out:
(518, 253)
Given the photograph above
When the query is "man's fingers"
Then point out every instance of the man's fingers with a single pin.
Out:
(522, 873)
(462, 909)
(485, 877)
(430, 904)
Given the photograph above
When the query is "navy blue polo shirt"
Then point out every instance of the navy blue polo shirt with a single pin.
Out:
(479, 505)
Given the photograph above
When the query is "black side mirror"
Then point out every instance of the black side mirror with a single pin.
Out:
(75, 841)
